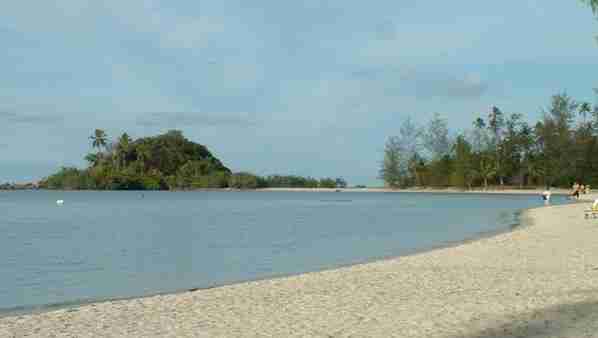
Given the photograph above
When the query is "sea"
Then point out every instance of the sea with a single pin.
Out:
(109, 245)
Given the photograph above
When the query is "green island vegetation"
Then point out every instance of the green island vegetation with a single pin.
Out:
(164, 162)
(559, 149)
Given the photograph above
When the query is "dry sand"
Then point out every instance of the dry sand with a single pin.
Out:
(540, 280)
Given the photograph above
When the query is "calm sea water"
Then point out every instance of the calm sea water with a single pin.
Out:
(102, 245)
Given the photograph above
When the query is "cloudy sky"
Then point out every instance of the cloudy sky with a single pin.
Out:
(300, 87)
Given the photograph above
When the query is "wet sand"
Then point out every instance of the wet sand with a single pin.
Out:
(540, 280)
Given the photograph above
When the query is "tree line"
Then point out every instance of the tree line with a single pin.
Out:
(500, 149)
(164, 162)
(557, 150)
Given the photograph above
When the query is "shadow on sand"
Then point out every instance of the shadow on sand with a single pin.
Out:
(568, 320)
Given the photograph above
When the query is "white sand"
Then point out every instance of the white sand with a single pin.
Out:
(538, 281)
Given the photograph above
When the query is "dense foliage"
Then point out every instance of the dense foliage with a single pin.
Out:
(151, 163)
(277, 181)
(167, 161)
(502, 149)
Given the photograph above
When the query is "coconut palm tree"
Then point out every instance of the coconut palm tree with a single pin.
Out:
(122, 149)
(91, 158)
(98, 139)
(584, 109)
(593, 4)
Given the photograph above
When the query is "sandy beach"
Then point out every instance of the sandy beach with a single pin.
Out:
(540, 280)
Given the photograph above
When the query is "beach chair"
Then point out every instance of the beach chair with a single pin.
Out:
(592, 212)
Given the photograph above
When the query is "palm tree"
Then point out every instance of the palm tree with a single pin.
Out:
(122, 148)
(91, 158)
(594, 5)
(98, 138)
(584, 109)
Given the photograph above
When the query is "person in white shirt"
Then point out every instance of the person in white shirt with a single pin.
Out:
(546, 196)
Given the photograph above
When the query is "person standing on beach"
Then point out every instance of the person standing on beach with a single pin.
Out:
(546, 196)
(575, 193)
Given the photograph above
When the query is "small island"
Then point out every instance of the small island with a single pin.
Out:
(164, 162)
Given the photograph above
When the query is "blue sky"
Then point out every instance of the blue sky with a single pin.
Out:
(299, 87)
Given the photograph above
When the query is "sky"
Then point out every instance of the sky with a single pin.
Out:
(310, 88)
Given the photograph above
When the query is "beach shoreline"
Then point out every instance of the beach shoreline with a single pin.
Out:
(522, 266)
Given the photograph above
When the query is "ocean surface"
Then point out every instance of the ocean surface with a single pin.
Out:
(103, 245)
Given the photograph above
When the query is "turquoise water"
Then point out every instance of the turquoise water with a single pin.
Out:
(101, 245)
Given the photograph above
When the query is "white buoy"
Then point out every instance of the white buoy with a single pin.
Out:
(59, 202)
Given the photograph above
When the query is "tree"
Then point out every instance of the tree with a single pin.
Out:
(464, 170)
(410, 143)
(421, 170)
(479, 136)
(526, 147)
(545, 144)
(487, 169)
(562, 111)
(436, 137)
(99, 138)
(122, 149)
(410, 137)
(496, 124)
(511, 150)
(584, 109)
(144, 154)
(557, 139)
(243, 180)
(327, 183)
(437, 144)
(593, 4)
(534, 168)
(390, 172)
(91, 158)
(340, 182)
